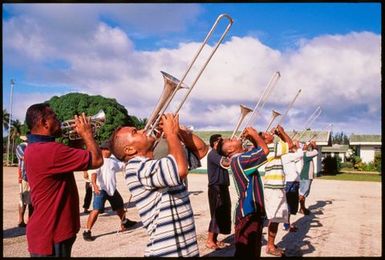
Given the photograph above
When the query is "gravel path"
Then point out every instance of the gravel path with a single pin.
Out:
(345, 220)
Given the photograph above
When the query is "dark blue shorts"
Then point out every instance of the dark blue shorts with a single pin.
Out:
(116, 200)
(292, 196)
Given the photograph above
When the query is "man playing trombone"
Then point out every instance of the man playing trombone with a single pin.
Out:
(274, 187)
(157, 189)
(250, 209)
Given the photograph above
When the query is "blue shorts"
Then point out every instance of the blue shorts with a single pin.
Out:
(116, 200)
(304, 187)
(292, 199)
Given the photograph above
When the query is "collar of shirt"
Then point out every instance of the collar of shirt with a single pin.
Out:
(40, 138)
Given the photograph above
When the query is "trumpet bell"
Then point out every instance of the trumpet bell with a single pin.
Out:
(68, 126)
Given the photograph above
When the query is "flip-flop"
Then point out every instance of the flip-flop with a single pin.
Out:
(222, 244)
(215, 247)
(293, 228)
(276, 252)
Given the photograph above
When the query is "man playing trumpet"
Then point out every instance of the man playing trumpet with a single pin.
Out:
(250, 208)
(52, 228)
(157, 189)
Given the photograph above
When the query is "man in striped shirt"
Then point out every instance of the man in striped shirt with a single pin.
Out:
(250, 209)
(25, 198)
(274, 187)
(157, 188)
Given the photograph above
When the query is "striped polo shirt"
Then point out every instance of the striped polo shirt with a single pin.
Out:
(20, 157)
(248, 183)
(164, 206)
(274, 175)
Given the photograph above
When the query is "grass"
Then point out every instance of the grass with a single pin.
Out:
(352, 177)
(345, 176)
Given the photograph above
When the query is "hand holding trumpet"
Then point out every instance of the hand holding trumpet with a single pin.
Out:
(83, 126)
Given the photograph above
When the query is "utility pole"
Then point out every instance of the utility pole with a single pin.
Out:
(10, 120)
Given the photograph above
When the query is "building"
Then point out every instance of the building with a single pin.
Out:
(366, 146)
(342, 151)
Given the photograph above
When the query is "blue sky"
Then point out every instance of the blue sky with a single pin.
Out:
(331, 51)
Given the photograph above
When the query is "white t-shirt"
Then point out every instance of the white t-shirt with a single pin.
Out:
(291, 164)
(106, 175)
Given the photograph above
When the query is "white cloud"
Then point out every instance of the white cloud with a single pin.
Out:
(342, 73)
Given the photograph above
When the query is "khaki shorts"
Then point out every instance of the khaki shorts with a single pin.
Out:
(276, 205)
(25, 194)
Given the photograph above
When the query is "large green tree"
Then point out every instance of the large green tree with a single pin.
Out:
(71, 104)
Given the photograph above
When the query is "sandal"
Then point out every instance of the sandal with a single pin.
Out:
(304, 211)
(293, 228)
(275, 252)
(222, 244)
(213, 246)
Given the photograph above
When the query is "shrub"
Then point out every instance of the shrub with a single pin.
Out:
(348, 165)
(330, 165)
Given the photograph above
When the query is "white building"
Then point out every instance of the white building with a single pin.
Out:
(366, 146)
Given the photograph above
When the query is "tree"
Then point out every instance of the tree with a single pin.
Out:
(15, 133)
(340, 138)
(71, 104)
(5, 119)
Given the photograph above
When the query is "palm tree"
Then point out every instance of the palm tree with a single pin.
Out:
(5, 119)
(14, 132)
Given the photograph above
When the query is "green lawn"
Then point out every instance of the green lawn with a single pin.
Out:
(352, 177)
(338, 177)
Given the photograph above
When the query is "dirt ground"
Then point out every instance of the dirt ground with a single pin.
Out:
(345, 220)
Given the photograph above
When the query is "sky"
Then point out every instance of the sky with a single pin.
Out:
(331, 51)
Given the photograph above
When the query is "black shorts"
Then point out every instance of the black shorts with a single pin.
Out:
(292, 194)
(220, 209)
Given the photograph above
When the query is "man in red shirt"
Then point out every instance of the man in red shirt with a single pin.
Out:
(52, 228)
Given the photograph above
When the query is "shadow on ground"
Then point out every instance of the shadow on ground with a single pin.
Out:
(14, 232)
(298, 243)
(137, 225)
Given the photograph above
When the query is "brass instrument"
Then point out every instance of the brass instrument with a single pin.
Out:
(274, 115)
(262, 100)
(244, 111)
(317, 112)
(289, 107)
(168, 95)
(68, 126)
(171, 84)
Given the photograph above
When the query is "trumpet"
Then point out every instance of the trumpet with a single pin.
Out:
(68, 126)
(169, 92)
(262, 100)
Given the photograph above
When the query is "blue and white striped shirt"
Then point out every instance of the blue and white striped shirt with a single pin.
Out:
(20, 157)
(164, 206)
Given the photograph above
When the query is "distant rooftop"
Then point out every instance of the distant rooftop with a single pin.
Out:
(364, 139)
(336, 148)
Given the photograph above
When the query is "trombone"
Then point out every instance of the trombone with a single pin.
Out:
(164, 101)
(262, 100)
(317, 112)
(244, 111)
(289, 107)
(276, 114)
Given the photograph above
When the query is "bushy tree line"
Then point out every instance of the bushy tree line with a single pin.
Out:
(71, 104)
